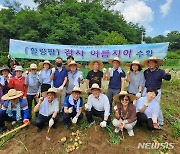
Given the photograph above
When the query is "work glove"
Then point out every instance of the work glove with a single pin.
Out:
(121, 126)
(86, 107)
(104, 70)
(80, 77)
(26, 121)
(103, 124)
(51, 122)
(74, 120)
(53, 70)
(70, 110)
(138, 95)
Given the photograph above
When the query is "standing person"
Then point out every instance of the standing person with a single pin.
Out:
(97, 105)
(48, 108)
(69, 59)
(33, 84)
(135, 78)
(148, 109)
(154, 76)
(14, 108)
(18, 81)
(12, 65)
(125, 113)
(59, 77)
(94, 75)
(44, 75)
(75, 77)
(72, 108)
(117, 79)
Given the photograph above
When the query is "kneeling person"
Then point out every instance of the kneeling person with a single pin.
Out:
(48, 107)
(97, 105)
(72, 108)
(14, 108)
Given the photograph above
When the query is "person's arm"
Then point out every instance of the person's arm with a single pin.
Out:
(11, 83)
(132, 117)
(128, 79)
(8, 63)
(116, 114)
(80, 111)
(52, 76)
(54, 114)
(155, 112)
(166, 75)
(87, 84)
(37, 107)
(65, 81)
(122, 83)
(26, 80)
(106, 108)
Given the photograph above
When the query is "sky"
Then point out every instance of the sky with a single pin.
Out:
(157, 16)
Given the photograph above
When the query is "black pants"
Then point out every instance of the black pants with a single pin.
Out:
(96, 113)
(45, 87)
(41, 120)
(67, 117)
(4, 118)
(142, 118)
(30, 99)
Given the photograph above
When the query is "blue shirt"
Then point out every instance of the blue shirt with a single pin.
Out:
(115, 80)
(154, 78)
(44, 77)
(152, 110)
(23, 107)
(68, 105)
(59, 76)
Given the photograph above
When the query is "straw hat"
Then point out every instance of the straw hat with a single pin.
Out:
(77, 89)
(110, 61)
(122, 93)
(41, 64)
(72, 63)
(32, 66)
(52, 90)
(135, 62)
(101, 65)
(4, 67)
(18, 68)
(159, 61)
(12, 94)
(94, 86)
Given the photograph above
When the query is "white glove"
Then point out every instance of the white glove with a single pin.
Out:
(70, 110)
(51, 122)
(74, 120)
(109, 70)
(86, 106)
(138, 95)
(53, 70)
(104, 70)
(60, 88)
(103, 124)
(80, 77)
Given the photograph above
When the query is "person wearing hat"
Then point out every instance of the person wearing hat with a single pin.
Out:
(97, 105)
(135, 78)
(4, 79)
(148, 109)
(44, 75)
(125, 113)
(75, 77)
(18, 81)
(33, 85)
(48, 108)
(117, 79)
(154, 76)
(12, 65)
(94, 75)
(69, 59)
(59, 76)
(72, 108)
(14, 108)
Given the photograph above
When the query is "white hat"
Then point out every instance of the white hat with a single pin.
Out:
(18, 68)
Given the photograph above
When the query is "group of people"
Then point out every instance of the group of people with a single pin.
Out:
(55, 91)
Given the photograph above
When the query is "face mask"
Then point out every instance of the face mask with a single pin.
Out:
(58, 64)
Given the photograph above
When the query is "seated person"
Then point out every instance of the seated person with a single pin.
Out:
(48, 107)
(125, 113)
(14, 108)
(148, 109)
(72, 108)
(97, 105)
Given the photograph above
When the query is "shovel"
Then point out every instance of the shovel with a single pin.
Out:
(47, 138)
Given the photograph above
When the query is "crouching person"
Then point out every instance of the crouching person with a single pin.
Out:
(125, 113)
(14, 108)
(72, 108)
(98, 105)
(148, 109)
(48, 107)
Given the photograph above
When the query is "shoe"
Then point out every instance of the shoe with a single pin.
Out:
(130, 132)
(116, 130)
(2, 129)
(91, 123)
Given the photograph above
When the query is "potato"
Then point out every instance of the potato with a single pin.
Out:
(63, 139)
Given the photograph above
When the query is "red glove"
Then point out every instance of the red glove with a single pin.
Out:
(26, 121)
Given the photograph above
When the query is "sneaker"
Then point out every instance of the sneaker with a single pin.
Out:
(130, 132)
(116, 130)
(13, 122)
(90, 124)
